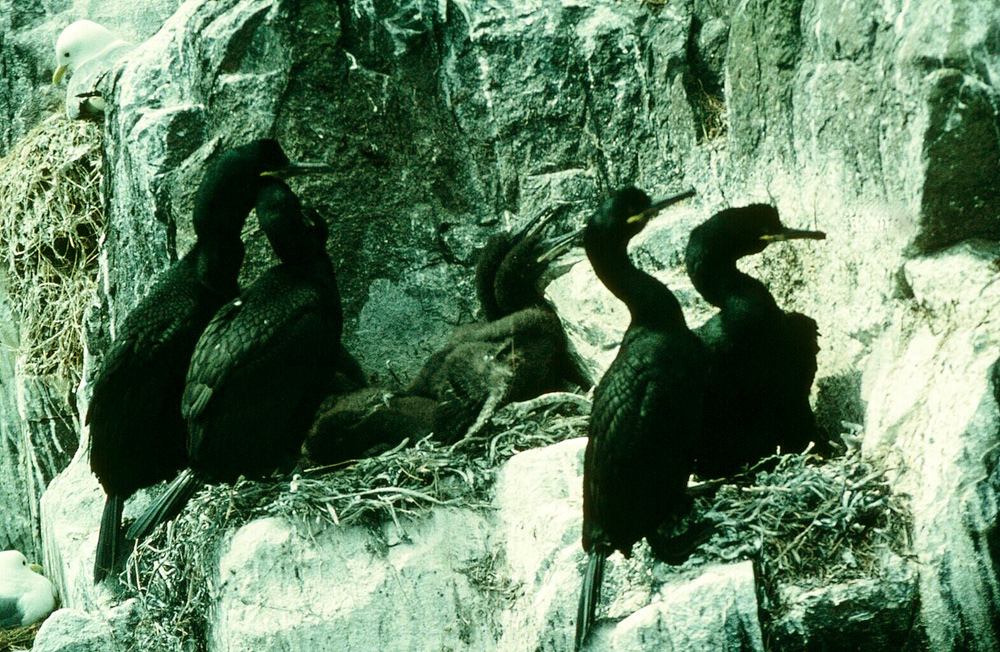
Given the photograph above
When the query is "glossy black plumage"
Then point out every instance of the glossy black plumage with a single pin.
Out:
(647, 410)
(137, 433)
(519, 353)
(263, 364)
(763, 360)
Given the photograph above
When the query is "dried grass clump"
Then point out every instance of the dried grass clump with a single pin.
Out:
(710, 111)
(813, 522)
(169, 570)
(18, 638)
(51, 220)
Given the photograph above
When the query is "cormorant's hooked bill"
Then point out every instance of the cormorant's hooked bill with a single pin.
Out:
(297, 168)
(793, 234)
(658, 205)
(560, 244)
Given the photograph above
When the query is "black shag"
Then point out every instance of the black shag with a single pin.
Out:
(263, 364)
(137, 433)
(762, 359)
(647, 408)
(519, 353)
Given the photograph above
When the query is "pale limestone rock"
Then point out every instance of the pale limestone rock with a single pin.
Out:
(931, 386)
(713, 610)
(879, 611)
(73, 630)
(71, 512)
(646, 606)
(283, 586)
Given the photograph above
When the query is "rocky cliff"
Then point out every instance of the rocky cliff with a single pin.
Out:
(876, 122)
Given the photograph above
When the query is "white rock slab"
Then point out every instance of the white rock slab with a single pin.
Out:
(283, 587)
(931, 388)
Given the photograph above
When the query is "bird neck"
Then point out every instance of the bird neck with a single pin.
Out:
(724, 286)
(217, 265)
(490, 259)
(221, 207)
(317, 267)
(649, 302)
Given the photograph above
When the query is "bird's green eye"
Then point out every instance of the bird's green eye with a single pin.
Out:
(66, 54)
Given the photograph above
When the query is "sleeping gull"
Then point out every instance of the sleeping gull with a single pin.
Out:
(25, 596)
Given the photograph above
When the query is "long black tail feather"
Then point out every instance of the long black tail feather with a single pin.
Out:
(590, 595)
(109, 538)
(167, 506)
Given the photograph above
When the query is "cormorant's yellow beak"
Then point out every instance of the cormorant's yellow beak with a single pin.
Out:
(296, 169)
(36, 568)
(658, 206)
(639, 219)
(59, 74)
(792, 234)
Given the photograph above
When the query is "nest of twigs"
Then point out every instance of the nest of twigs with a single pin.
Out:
(18, 638)
(804, 520)
(169, 570)
(812, 522)
(51, 221)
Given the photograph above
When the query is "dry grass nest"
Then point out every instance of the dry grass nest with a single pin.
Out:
(812, 522)
(712, 113)
(51, 221)
(18, 638)
(806, 518)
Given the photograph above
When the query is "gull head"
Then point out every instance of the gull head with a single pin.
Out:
(80, 42)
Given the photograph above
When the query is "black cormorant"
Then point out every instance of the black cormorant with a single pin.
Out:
(763, 360)
(263, 364)
(137, 433)
(647, 408)
(519, 353)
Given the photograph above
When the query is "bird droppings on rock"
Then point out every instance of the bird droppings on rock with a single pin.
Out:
(51, 221)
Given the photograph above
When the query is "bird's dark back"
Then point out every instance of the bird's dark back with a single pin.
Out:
(644, 427)
(757, 397)
(259, 373)
(137, 432)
